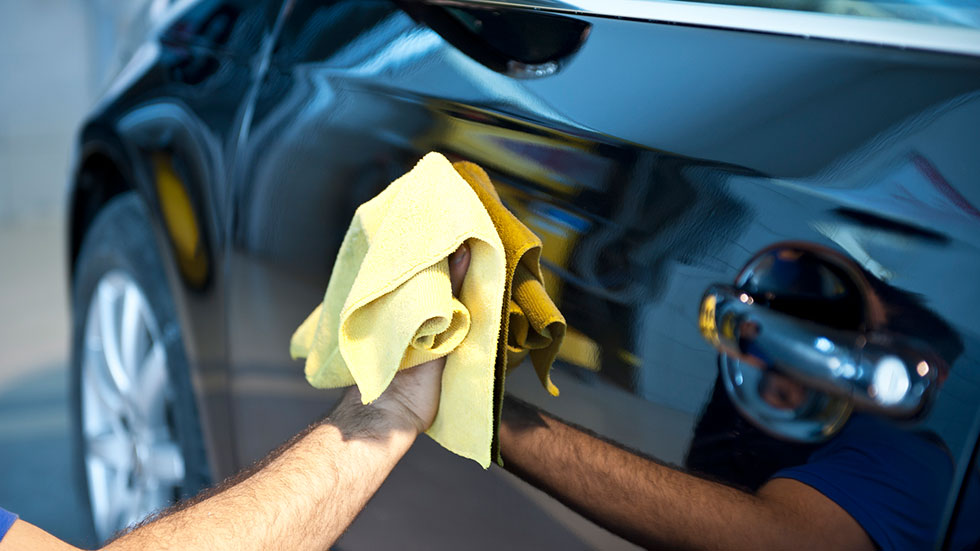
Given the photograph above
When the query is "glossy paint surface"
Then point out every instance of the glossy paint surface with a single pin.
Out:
(653, 160)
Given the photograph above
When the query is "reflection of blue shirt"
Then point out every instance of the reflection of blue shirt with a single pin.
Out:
(6, 521)
(966, 529)
(894, 483)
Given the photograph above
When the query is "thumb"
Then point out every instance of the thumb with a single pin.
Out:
(459, 262)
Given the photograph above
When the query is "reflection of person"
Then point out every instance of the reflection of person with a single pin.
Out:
(302, 496)
(870, 486)
(661, 507)
(782, 392)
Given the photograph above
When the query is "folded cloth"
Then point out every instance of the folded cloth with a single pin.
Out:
(389, 303)
(530, 322)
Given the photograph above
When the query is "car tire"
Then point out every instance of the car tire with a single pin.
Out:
(137, 436)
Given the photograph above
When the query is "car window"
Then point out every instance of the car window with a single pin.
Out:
(955, 13)
(965, 13)
(936, 25)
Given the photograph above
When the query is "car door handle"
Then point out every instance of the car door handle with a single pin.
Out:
(517, 42)
(880, 371)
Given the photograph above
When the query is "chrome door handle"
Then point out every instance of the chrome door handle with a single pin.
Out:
(880, 371)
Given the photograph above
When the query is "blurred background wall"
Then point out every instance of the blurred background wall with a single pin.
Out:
(55, 58)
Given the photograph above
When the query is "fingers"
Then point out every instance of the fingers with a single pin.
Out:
(459, 262)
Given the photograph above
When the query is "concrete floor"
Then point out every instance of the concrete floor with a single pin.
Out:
(45, 91)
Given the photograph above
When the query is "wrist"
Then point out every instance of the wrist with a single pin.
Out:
(378, 420)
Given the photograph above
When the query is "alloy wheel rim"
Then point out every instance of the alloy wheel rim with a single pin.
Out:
(133, 461)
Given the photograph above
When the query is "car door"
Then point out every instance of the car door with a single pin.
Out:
(658, 150)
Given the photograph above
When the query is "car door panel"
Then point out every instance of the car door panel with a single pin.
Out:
(655, 161)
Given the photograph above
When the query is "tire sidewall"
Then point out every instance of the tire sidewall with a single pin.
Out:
(120, 238)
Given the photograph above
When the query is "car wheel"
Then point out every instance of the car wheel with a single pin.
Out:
(137, 435)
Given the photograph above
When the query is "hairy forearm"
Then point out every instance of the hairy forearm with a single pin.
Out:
(305, 494)
(652, 504)
(302, 499)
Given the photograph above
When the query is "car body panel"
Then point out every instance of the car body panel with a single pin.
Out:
(656, 160)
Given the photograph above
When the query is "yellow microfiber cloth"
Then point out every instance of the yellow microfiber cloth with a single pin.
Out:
(389, 304)
(531, 323)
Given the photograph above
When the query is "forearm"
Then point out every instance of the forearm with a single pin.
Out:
(648, 503)
(302, 499)
(304, 495)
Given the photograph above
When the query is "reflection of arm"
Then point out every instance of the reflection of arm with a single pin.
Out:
(660, 507)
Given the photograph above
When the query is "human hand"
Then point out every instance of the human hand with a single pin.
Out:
(413, 394)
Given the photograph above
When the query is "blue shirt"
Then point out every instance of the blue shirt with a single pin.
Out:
(6, 521)
(894, 483)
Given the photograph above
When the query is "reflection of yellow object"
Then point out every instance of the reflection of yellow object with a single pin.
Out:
(706, 319)
(178, 215)
(558, 244)
(630, 358)
(538, 158)
(562, 165)
(835, 413)
(578, 349)
(728, 326)
(390, 284)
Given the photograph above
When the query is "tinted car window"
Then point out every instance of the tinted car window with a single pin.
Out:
(942, 12)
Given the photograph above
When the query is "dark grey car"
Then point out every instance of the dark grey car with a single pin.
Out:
(798, 186)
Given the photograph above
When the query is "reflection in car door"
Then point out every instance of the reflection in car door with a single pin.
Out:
(654, 161)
